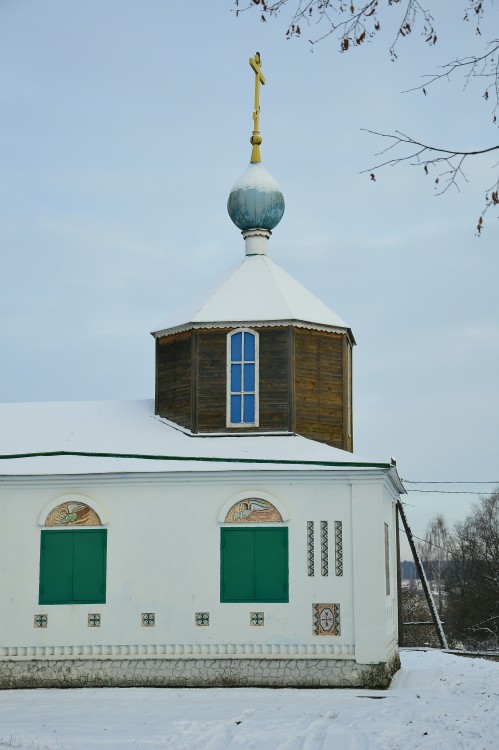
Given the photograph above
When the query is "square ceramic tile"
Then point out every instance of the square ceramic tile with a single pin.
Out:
(257, 618)
(326, 619)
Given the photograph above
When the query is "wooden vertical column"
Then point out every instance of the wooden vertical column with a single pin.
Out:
(291, 381)
(194, 382)
(424, 582)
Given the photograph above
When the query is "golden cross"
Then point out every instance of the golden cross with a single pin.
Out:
(256, 138)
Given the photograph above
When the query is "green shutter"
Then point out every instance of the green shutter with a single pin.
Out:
(73, 566)
(254, 565)
(271, 565)
(56, 567)
(237, 579)
(89, 566)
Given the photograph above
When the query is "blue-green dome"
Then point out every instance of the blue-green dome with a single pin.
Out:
(256, 201)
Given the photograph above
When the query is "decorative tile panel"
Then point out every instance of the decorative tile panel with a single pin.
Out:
(310, 548)
(257, 618)
(93, 620)
(324, 549)
(40, 621)
(253, 510)
(338, 548)
(148, 619)
(202, 619)
(73, 514)
(326, 619)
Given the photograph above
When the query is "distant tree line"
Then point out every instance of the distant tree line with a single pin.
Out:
(463, 567)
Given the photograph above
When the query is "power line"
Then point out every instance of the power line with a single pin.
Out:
(449, 492)
(424, 481)
(431, 544)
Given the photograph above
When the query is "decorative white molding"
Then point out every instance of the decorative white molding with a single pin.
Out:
(256, 241)
(270, 474)
(180, 651)
(230, 324)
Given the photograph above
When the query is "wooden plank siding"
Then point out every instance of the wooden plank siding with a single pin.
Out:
(303, 383)
(320, 387)
(174, 378)
(275, 403)
(347, 394)
(211, 395)
(211, 391)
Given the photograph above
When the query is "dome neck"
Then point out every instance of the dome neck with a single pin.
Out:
(256, 241)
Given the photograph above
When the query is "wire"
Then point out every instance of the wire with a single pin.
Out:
(449, 492)
(416, 481)
(430, 544)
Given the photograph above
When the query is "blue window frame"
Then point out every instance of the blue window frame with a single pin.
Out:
(242, 378)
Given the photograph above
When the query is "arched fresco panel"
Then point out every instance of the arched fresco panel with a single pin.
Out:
(253, 510)
(73, 513)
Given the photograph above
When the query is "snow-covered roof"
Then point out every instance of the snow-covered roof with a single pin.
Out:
(95, 437)
(257, 291)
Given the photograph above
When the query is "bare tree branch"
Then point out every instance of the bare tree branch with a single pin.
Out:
(354, 24)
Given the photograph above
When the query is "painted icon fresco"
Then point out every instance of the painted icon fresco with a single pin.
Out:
(73, 514)
(253, 510)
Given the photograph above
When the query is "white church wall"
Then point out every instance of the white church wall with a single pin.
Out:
(163, 557)
(391, 599)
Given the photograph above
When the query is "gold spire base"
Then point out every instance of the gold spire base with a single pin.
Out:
(255, 141)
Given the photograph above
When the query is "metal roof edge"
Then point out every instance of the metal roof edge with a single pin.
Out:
(208, 459)
(254, 324)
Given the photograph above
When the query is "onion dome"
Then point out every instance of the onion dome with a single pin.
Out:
(256, 200)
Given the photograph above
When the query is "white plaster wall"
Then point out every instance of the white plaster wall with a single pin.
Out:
(391, 600)
(163, 556)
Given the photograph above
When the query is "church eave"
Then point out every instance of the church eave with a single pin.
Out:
(254, 324)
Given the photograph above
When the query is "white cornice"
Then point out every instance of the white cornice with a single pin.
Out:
(226, 476)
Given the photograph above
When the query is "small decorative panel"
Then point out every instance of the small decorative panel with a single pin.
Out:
(310, 548)
(73, 514)
(326, 618)
(253, 510)
(93, 620)
(338, 548)
(202, 619)
(324, 549)
(40, 621)
(148, 619)
(257, 618)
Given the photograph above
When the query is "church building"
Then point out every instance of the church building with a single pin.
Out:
(222, 534)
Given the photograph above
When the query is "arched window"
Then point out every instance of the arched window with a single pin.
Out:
(253, 549)
(242, 378)
(72, 556)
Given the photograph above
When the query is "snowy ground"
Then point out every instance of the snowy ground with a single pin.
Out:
(436, 701)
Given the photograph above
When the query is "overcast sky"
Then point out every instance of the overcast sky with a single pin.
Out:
(124, 125)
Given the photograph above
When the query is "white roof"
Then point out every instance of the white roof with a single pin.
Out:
(256, 291)
(95, 437)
